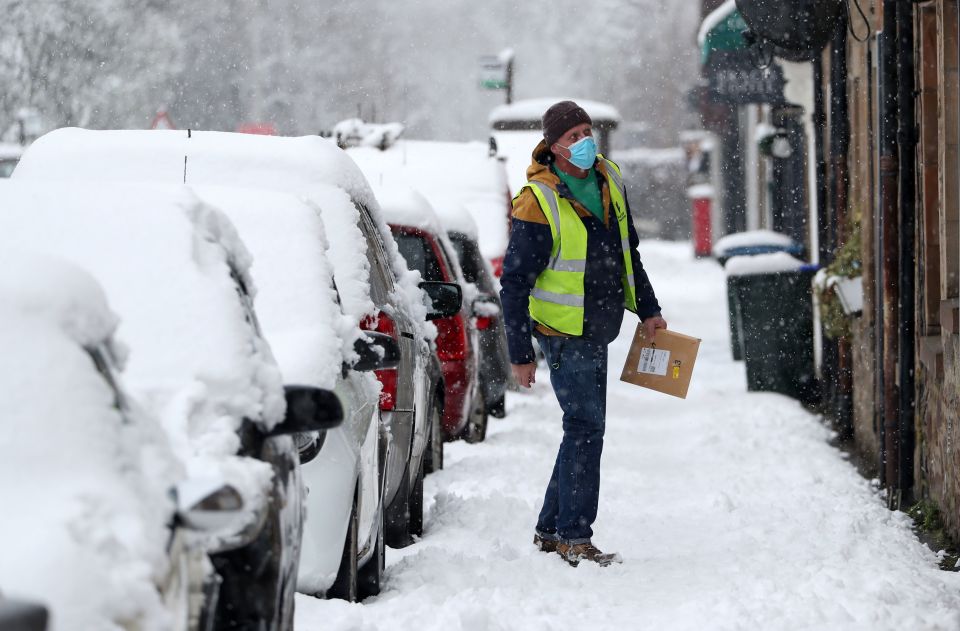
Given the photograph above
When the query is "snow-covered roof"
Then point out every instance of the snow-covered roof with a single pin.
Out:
(457, 178)
(712, 20)
(10, 151)
(533, 109)
(296, 302)
(762, 264)
(85, 498)
(165, 260)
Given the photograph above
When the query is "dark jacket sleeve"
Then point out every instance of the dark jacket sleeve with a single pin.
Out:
(647, 304)
(528, 254)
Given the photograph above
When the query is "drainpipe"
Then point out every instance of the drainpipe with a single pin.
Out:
(888, 219)
(839, 186)
(907, 139)
(824, 350)
(824, 246)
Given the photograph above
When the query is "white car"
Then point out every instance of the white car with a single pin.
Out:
(178, 275)
(9, 155)
(91, 525)
(316, 344)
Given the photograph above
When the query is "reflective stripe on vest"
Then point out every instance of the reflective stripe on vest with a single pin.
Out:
(558, 295)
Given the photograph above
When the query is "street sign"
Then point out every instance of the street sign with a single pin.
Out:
(493, 73)
(735, 77)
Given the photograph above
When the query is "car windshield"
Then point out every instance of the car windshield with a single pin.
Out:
(419, 255)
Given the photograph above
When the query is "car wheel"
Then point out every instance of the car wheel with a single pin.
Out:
(287, 606)
(476, 429)
(346, 586)
(498, 408)
(434, 454)
(371, 574)
(416, 505)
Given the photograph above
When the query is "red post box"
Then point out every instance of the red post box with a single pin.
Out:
(701, 198)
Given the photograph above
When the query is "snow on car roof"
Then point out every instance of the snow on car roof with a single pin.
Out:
(295, 163)
(165, 260)
(88, 548)
(403, 206)
(533, 109)
(85, 155)
(456, 177)
(10, 151)
(308, 166)
(454, 217)
(296, 301)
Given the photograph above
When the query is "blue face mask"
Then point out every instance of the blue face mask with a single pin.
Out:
(583, 153)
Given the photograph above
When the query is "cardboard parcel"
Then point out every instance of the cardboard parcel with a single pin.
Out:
(664, 365)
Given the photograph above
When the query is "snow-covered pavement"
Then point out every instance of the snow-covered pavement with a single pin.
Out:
(730, 509)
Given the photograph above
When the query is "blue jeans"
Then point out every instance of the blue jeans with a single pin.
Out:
(578, 373)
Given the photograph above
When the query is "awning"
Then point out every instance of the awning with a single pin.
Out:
(722, 30)
(730, 68)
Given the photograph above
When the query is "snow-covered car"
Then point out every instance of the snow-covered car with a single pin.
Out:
(376, 288)
(424, 245)
(9, 156)
(468, 173)
(494, 358)
(19, 615)
(315, 344)
(178, 275)
(107, 545)
(473, 202)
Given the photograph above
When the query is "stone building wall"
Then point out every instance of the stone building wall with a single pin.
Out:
(937, 458)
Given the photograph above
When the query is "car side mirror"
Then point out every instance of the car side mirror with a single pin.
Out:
(446, 299)
(309, 409)
(377, 351)
(209, 505)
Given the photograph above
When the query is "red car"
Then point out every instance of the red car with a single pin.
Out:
(426, 248)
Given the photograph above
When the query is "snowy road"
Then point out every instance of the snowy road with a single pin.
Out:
(730, 510)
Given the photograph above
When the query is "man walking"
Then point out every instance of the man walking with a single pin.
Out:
(570, 270)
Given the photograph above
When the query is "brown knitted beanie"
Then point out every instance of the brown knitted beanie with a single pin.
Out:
(560, 118)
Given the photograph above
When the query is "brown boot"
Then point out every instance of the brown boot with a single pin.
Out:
(576, 552)
(544, 545)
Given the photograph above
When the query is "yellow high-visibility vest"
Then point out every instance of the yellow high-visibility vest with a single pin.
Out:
(558, 294)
